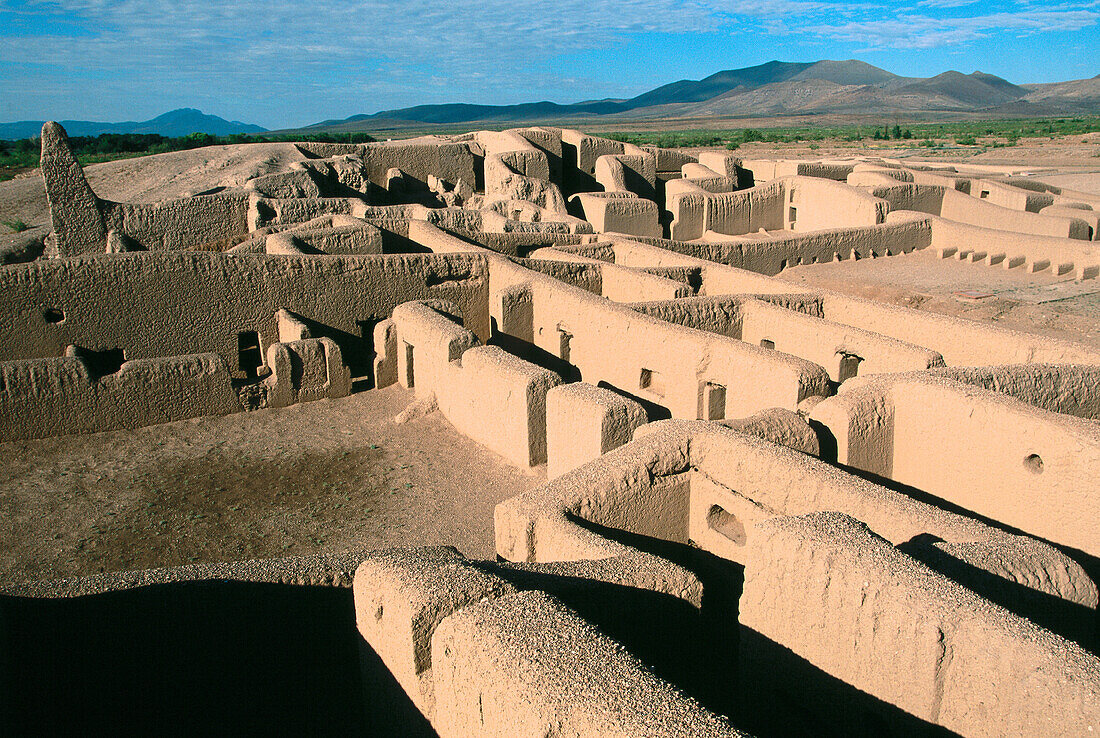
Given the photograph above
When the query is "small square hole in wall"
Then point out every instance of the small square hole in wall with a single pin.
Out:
(767, 343)
(985, 194)
(652, 381)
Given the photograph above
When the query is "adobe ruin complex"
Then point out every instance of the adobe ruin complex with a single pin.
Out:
(755, 507)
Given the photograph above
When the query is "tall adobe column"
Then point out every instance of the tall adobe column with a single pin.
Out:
(74, 209)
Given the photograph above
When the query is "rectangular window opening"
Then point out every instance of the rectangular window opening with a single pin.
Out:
(249, 354)
(714, 401)
(564, 337)
(410, 375)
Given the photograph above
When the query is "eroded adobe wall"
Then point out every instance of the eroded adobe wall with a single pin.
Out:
(659, 362)
(844, 600)
(1008, 250)
(59, 396)
(177, 302)
(1069, 389)
(998, 457)
(973, 211)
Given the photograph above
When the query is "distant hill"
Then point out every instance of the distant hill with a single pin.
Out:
(181, 122)
(771, 89)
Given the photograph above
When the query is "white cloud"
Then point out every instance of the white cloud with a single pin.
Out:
(923, 32)
(387, 53)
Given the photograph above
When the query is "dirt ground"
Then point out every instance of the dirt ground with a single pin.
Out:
(1043, 304)
(324, 476)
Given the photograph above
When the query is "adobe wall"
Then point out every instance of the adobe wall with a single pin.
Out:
(306, 370)
(765, 170)
(176, 303)
(1069, 389)
(450, 162)
(1006, 460)
(548, 667)
(201, 223)
(792, 327)
(443, 626)
(789, 203)
(721, 315)
(1075, 211)
(74, 208)
(58, 396)
(619, 212)
(843, 599)
(617, 283)
(831, 344)
(583, 422)
(495, 398)
(86, 224)
(614, 344)
(1035, 253)
(959, 341)
(712, 485)
(499, 400)
(973, 211)
(920, 198)
(583, 274)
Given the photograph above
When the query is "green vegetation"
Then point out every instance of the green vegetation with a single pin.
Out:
(16, 225)
(16, 156)
(963, 133)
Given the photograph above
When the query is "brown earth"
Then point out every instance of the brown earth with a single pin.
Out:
(325, 476)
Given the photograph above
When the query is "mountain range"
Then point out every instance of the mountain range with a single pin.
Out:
(772, 89)
(181, 122)
(775, 89)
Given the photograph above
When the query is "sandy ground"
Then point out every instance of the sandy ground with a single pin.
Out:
(324, 476)
(1035, 303)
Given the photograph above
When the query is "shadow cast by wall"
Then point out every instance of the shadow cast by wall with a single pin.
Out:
(205, 657)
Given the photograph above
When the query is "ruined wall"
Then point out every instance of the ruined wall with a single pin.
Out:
(661, 363)
(178, 302)
(1006, 460)
(973, 211)
(60, 396)
(845, 600)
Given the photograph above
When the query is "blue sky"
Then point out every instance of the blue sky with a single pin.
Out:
(283, 63)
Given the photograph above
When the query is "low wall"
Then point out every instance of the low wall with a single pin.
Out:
(1069, 389)
(842, 350)
(478, 656)
(655, 361)
(1027, 468)
(547, 666)
(499, 400)
(306, 370)
(174, 303)
(489, 395)
(55, 397)
(701, 482)
(584, 422)
(1033, 252)
(853, 606)
(973, 211)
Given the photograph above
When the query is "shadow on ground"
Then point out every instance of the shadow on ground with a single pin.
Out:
(196, 658)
